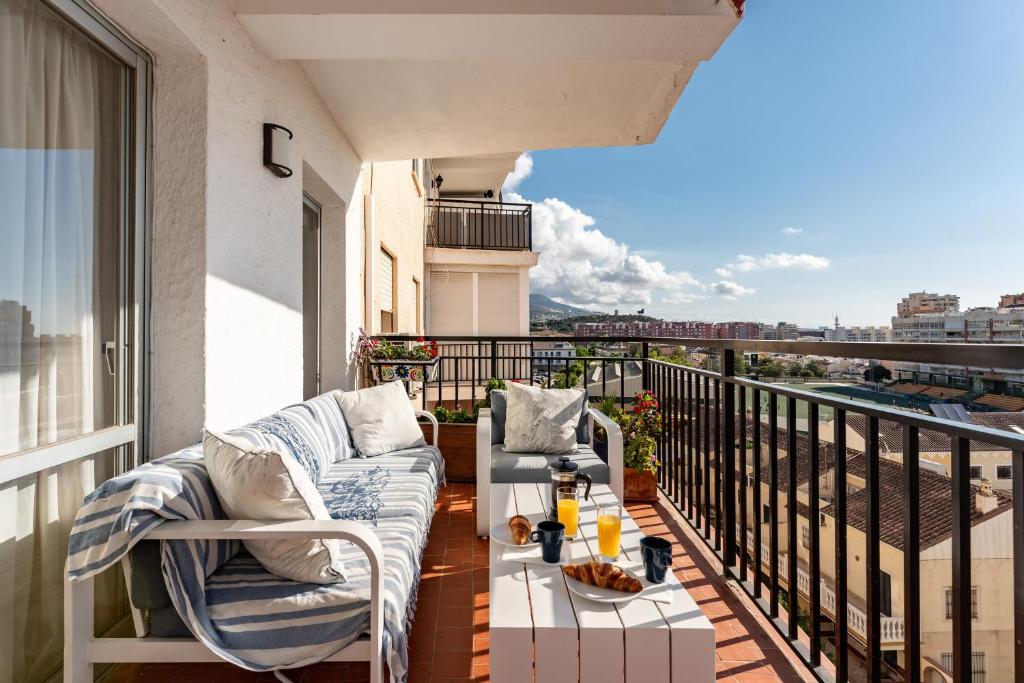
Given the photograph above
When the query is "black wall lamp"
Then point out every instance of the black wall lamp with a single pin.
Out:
(437, 182)
(276, 141)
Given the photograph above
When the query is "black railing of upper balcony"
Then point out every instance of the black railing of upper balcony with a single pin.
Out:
(473, 224)
(721, 442)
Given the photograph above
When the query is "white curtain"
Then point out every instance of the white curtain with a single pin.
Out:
(58, 278)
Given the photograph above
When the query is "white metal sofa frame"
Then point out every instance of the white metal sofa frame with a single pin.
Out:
(82, 649)
(483, 462)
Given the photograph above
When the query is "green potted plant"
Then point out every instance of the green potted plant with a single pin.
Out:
(608, 407)
(641, 426)
(457, 435)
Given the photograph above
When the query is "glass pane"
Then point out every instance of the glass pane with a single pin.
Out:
(38, 513)
(59, 189)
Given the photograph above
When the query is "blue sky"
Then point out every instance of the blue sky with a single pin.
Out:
(890, 135)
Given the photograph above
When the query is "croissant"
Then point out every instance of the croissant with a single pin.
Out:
(603, 575)
(520, 529)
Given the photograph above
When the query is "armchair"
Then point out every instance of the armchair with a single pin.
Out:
(529, 467)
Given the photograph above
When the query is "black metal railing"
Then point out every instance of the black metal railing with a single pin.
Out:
(750, 487)
(473, 224)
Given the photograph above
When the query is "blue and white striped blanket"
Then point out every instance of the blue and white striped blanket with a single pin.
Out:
(243, 613)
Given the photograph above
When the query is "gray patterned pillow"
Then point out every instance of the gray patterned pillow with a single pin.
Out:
(542, 420)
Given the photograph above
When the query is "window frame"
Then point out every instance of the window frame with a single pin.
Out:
(394, 292)
(130, 435)
(1004, 468)
(948, 602)
(417, 287)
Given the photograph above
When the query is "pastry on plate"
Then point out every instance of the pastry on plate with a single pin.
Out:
(519, 528)
(603, 575)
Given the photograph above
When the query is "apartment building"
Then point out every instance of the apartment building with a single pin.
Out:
(1011, 301)
(692, 329)
(478, 251)
(552, 354)
(927, 302)
(738, 330)
(781, 331)
(872, 333)
(930, 318)
(991, 523)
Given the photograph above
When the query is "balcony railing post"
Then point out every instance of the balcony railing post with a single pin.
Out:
(494, 359)
(645, 366)
(872, 485)
(1018, 559)
(911, 555)
(960, 464)
(729, 442)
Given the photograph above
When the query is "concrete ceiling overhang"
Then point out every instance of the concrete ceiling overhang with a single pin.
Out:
(445, 78)
(474, 174)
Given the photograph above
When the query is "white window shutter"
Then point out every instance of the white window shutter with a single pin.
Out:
(498, 304)
(451, 303)
(387, 271)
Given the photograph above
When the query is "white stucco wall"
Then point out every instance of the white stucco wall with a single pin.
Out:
(397, 225)
(227, 244)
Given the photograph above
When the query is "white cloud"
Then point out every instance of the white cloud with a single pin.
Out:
(745, 263)
(522, 171)
(581, 265)
(789, 232)
(730, 290)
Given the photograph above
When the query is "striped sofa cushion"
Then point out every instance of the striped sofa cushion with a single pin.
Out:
(313, 431)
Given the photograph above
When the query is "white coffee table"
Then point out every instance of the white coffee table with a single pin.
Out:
(541, 631)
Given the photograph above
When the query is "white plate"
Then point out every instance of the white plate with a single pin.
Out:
(607, 596)
(503, 535)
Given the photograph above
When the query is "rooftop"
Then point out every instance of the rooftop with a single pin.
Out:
(890, 436)
(936, 496)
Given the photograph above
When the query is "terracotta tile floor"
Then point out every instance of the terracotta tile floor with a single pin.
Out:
(449, 639)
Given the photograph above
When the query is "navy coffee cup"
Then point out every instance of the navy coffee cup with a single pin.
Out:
(550, 536)
(657, 556)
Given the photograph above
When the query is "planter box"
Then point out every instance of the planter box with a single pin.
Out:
(458, 446)
(640, 486)
(403, 370)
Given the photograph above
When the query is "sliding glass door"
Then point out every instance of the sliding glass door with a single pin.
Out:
(72, 189)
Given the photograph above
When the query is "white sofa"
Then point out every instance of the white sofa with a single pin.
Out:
(382, 505)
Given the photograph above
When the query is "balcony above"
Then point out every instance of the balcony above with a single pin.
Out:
(474, 224)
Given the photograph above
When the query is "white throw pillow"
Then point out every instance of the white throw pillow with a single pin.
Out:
(542, 420)
(380, 419)
(255, 482)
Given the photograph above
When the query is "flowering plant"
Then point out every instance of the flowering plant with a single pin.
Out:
(641, 426)
(372, 348)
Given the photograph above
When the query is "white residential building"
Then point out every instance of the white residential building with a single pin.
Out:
(981, 325)
(879, 333)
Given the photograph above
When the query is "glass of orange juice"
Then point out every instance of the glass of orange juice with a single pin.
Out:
(609, 531)
(568, 501)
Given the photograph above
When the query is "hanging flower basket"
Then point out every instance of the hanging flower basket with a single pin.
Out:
(403, 370)
(391, 362)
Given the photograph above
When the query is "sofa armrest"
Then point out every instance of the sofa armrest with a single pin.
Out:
(433, 420)
(483, 473)
(616, 451)
(80, 645)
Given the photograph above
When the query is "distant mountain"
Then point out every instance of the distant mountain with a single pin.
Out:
(542, 307)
